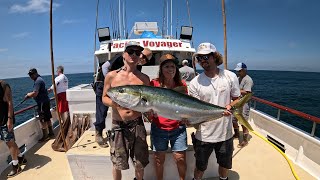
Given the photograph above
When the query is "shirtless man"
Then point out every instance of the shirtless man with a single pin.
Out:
(128, 134)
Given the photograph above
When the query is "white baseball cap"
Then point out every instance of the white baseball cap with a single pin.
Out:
(185, 61)
(206, 48)
(240, 66)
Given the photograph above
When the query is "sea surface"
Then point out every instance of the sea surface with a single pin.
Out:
(296, 90)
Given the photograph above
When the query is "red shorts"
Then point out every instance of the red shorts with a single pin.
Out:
(63, 103)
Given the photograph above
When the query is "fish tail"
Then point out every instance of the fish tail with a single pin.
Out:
(237, 111)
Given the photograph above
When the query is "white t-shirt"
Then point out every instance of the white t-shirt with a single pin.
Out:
(218, 91)
(61, 83)
(246, 83)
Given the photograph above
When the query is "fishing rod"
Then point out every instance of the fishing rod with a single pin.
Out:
(19, 103)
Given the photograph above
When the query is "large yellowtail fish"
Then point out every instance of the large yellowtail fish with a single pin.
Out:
(173, 105)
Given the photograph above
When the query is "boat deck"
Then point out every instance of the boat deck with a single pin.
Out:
(258, 160)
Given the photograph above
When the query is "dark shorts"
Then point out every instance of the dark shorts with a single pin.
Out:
(176, 137)
(5, 135)
(44, 111)
(129, 140)
(203, 150)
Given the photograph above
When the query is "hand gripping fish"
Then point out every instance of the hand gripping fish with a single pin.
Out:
(173, 105)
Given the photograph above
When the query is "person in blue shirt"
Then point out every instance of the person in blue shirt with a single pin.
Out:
(40, 95)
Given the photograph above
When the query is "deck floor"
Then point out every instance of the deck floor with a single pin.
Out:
(258, 160)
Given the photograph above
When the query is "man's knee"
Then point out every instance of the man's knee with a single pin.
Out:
(201, 166)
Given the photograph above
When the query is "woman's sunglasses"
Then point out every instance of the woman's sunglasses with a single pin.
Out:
(131, 51)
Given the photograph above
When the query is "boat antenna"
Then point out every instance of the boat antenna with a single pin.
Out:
(119, 18)
(225, 64)
(177, 23)
(171, 18)
(112, 19)
(53, 82)
(95, 40)
(190, 22)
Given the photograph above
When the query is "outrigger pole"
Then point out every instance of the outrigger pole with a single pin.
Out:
(225, 64)
(53, 82)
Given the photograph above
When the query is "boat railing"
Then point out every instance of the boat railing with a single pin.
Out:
(280, 108)
(28, 108)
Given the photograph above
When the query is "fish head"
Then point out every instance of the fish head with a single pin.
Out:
(129, 97)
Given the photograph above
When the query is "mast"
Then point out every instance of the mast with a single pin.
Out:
(95, 41)
(53, 82)
(120, 29)
(225, 64)
(171, 18)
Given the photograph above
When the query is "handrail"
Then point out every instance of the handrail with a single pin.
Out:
(28, 108)
(292, 111)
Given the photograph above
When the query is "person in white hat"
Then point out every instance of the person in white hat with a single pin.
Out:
(219, 87)
(125, 119)
(246, 85)
(187, 73)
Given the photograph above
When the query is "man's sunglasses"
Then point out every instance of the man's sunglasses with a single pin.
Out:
(131, 51)
(203, 57)
(145, 57)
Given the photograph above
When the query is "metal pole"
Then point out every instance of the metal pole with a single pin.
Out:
(120, 29)
(95, 40)
(225, 60)
(171, 18)
(53, 82)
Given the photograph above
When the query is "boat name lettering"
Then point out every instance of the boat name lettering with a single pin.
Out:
(151, 44)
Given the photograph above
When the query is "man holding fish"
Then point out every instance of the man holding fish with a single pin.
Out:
(219, 87)
(128, 134)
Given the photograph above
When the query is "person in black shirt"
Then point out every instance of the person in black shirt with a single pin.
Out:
(6, 128)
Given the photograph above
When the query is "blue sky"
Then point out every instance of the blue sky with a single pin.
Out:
(264, 34)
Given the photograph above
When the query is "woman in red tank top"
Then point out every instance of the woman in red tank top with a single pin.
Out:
(164, 130)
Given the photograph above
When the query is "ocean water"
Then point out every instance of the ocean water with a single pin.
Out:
(296, 90)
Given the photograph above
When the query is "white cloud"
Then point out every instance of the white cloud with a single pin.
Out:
(21, 35)
(33, 6)
(70, 21)
(3, 50)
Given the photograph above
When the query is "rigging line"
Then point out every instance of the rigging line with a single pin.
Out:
(188, 8)
(112, 21)
(95, 39)
(123, 18)
(126, 20)
(119, 17)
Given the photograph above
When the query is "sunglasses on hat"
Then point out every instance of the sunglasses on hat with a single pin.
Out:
(130, 51)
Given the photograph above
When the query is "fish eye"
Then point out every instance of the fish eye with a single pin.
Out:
(144, 99)
(121, 90)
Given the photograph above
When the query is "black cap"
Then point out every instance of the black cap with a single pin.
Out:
(32, 71)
